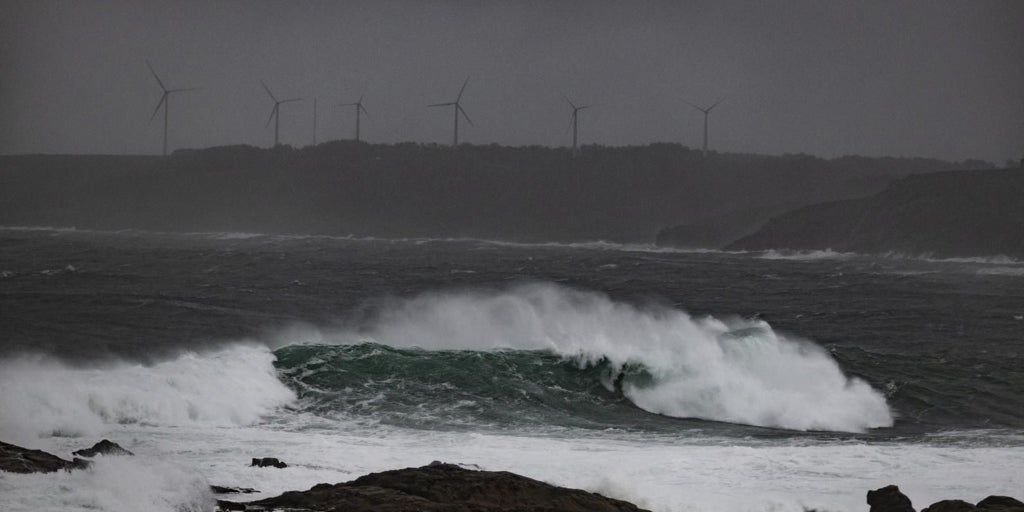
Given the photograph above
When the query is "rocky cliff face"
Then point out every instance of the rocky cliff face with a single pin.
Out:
(946, 214)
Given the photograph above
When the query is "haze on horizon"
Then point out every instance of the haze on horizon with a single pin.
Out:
(938, 78)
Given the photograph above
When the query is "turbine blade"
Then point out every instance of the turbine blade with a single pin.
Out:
(265, 88)
(571, 104)
(273, 112)
(157, 109)
(361, 107)
(462, 90)
(148, 65)
(347, 104)
(571, 119)
(184, 89)
(584, 107)
(694, 106)
(442, 104)
(716, 103)
(464, 114)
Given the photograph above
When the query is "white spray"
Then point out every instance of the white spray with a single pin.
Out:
(40, 397)
(738, 371)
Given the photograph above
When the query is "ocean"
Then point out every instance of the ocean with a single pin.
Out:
(678, 380)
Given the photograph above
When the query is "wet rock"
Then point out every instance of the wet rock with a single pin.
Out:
(264, 462)
(218, 489)
(103, 447)
(229, 505)
(889, 499)
(950, 506)
(1000, 504)
(443, 487)
(16, 459)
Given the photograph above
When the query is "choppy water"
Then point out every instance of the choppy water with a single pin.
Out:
(822, 372)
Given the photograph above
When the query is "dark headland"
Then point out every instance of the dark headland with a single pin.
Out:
(944, 214)
(660, 193)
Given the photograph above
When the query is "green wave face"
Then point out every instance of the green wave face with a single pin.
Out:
(460, 389)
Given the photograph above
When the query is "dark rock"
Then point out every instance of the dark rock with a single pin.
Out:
(1000, 504)
(889, 499)
(16, 459)
(229, 505)
(950, 506)
(103, 447)
(443, 488)
(264, 462)
(218, 489)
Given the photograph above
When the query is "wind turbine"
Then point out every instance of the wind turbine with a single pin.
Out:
(163, 101)
(575, 122)
(458, 109)
(706, 111)
(360, 109)
(275, 113)
(314, 120)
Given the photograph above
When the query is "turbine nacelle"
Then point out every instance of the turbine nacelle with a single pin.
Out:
(706, 112)
(360, 109)
(276, 111)
(163, 100)
(458, 110)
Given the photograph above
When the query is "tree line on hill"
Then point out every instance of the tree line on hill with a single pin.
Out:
(533, 193)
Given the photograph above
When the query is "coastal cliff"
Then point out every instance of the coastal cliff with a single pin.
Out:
(944, 214)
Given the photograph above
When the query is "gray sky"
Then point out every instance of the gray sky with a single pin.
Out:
(932, 78)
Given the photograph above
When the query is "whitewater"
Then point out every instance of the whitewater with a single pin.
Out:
(678, 381)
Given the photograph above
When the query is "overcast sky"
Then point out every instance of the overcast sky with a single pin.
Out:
(931, 78)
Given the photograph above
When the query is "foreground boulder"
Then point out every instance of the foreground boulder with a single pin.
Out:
(440, 488)
(15, 459)
(990, 504)
(889, 499)
(1000, 504)
(950, 506)
(103, 447)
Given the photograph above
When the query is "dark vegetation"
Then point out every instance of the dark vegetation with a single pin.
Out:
(625, 194)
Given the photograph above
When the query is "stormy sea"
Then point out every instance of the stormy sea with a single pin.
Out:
(677, 380)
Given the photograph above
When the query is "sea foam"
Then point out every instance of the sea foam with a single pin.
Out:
(738, 371)
(41, 397)
(113, 484)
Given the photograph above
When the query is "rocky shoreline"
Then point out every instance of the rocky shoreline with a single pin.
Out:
(443, 487)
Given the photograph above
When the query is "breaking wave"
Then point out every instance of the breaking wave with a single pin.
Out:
(41, 397)
(517, 340)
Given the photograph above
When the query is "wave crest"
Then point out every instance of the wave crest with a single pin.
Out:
(41, 397)
(738, 371)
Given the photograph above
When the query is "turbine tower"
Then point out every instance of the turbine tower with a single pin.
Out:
(458, 110)
(706, 111)
(575, 123)
(360, 109)
(163, 101)
(314, 120)
(275, 113)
